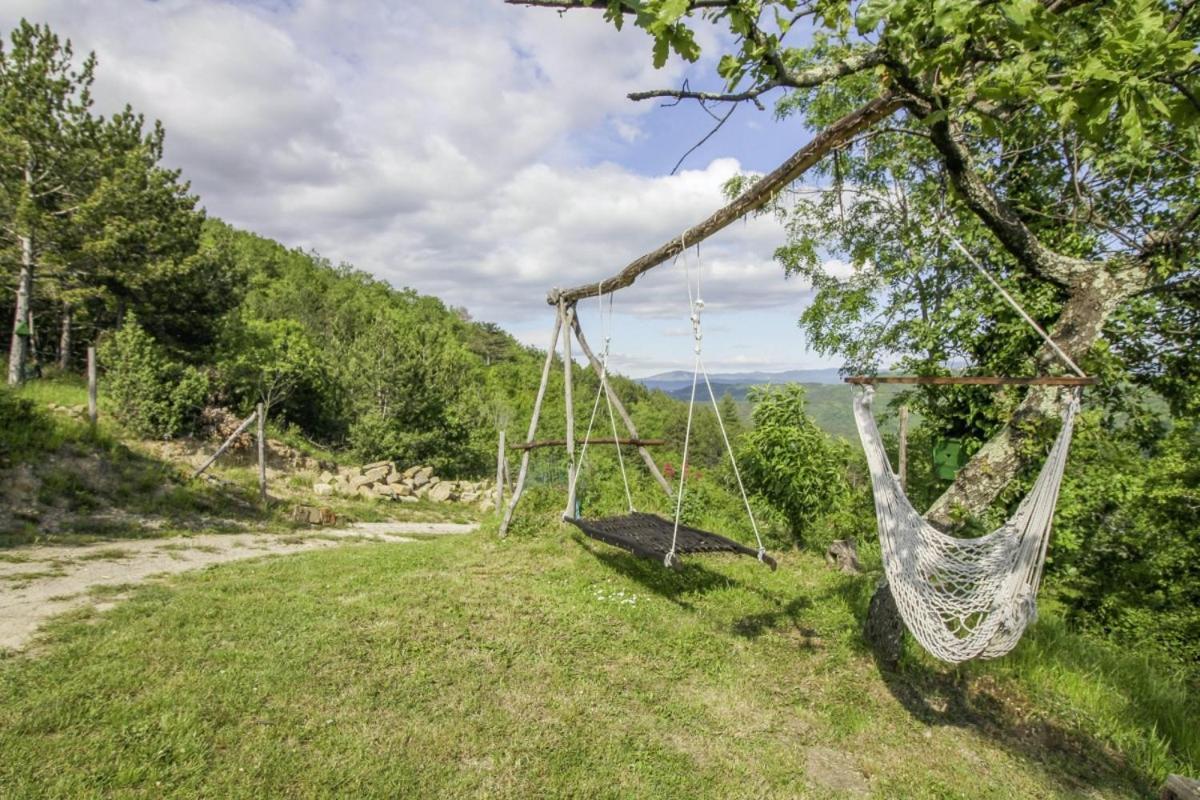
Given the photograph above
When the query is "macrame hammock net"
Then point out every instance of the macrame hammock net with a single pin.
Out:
(649, 535)
(966, 598)
(963, 598)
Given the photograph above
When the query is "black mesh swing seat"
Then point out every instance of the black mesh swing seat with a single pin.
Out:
(649, 536)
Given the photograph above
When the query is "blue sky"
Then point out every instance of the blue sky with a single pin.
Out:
(476, 151)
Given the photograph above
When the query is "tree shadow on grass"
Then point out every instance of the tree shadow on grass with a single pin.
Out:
(692, 578)
(946, 695)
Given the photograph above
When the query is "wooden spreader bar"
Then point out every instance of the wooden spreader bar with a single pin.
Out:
(974, 380)
(609, 440)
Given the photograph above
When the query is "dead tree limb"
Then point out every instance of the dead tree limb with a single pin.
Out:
(757, 196)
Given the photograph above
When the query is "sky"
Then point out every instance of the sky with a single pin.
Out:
(480, 152)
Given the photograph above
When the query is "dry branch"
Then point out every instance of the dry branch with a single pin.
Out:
(758, 195)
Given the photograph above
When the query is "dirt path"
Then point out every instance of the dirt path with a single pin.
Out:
(37, 583)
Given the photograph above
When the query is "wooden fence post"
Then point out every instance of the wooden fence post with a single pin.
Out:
(500, 474)
(93, 411)
(262, 453)
(903, 458)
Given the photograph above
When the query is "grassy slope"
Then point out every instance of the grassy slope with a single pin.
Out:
(104, 485)
(552, 666)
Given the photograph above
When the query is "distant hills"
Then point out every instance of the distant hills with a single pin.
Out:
(828, 396)
(672, 382)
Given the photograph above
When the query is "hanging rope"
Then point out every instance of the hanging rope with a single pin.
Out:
(1012, 302)
(696, 305)
(603, 390)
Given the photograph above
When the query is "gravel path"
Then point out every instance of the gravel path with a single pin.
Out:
(37, 583)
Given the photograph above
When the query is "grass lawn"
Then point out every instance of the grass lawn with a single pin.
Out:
(553, 666)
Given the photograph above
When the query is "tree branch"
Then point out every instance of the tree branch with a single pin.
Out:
(597, 5)
(707, 97)
(833, 136)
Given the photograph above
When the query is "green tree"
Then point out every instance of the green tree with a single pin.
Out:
(267, 360)
(1058, 139)
(44, 120)
(791, 462)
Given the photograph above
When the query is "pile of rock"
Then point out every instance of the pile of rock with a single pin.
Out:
(383, 480)
(79, 412)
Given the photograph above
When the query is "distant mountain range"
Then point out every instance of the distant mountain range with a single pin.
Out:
(678, 383)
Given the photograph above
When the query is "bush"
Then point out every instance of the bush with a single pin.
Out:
(1127, 550)
(798, 468)
(151, 395)
(22, 429)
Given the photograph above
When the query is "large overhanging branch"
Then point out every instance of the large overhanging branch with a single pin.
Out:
(758, 195)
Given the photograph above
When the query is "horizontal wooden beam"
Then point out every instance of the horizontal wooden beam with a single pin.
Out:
(563, 443)
(974, 380)
(835, 135)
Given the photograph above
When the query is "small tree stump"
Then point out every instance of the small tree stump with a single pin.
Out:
(843, 554)
(1178, 787)
(884, 629)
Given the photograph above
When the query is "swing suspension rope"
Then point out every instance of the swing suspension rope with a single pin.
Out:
(603, 390)
(696, 305)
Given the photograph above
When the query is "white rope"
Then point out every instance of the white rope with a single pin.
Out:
(762, 551)
(1016, 306)
(963, 598)
(605, 390)
(696, 304)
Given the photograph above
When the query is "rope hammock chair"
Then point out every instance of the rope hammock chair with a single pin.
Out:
(649, 535)
(967, 598)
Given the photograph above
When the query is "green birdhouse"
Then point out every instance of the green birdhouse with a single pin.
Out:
(947, 458)
(22, 329)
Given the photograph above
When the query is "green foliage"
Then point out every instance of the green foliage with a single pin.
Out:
(1128, 538)
(265, 361)
(23, 429)
(149, 393)
(791, 462)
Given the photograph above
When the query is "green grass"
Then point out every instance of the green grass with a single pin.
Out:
(554, 666)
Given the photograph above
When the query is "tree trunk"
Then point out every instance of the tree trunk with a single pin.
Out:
(1081, 323)
(18, 350)
(64, 340)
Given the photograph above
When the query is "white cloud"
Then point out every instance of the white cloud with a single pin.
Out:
(437, 145)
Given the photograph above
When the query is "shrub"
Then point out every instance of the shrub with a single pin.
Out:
(22, 429)
(798, 468)
(151, 395)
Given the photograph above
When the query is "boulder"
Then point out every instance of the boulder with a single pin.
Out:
(410, 472)
(314, 515)
(422, 476)
(322, 489)
(401, 489)
(376, 473)
(422, 491)
(395, 478)
(326, 477)
(376, 465)
(442, 492)
(359, 481)
(383, 490)
(843, 554)
(408, 498)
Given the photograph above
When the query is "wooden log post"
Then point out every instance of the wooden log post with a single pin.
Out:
(621, 412)
(261, 413)
(567, 312)
(1177, 787)
(533, 422)
(902, 459)
(225, 446)
(500, 474)
(93, 409)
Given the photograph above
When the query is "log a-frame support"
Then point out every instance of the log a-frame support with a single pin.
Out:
(567, 327)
